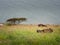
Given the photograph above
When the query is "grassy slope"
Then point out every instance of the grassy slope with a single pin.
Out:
(27, 35)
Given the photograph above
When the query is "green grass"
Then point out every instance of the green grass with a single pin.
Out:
(20, 36)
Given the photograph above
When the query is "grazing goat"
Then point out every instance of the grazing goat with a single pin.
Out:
(41, 25)
(48, 30)
(39, 31)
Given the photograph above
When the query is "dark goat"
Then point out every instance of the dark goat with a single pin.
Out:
(41, 25)
(48, 30)
(40, 31)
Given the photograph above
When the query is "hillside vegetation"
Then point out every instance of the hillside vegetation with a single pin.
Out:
(27, 35)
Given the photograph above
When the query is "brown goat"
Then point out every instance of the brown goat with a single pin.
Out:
(41, 25)
(48, 30)
(40, 31)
